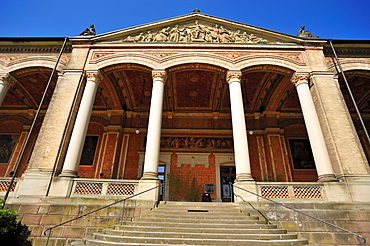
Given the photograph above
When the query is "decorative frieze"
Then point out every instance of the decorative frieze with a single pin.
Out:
(196, 33)
(196, 143)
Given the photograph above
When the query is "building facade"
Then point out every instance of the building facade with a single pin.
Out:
(193, 102)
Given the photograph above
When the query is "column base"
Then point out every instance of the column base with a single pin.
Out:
(61, 186)
(35, 182)
(68, 173)
(152, 195)
(327, 178)
(150, 176)
(243, 177)
(241, 194)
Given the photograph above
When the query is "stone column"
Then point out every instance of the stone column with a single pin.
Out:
(154, 127)
(320, 153)
(5, 81)
(78, 136)
(242, 162)
(151, 161)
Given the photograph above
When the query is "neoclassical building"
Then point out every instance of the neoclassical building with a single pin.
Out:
(193, 102)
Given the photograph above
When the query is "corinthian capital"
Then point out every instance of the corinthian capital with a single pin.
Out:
(94, 76)
(7, 79)
(300, 78)
(233, 76)
(159, 75)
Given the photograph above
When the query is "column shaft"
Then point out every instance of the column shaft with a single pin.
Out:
(80, 127)
(154, 127)
(318, 146)
(242, 162)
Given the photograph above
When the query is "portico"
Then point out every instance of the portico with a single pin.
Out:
(196, 98)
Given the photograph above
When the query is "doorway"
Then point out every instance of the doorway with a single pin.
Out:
(228, 175)
(162, 178)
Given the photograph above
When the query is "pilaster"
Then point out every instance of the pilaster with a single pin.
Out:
(344, 146)
(56, 124)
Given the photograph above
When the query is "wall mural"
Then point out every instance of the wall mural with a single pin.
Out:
(196, 33)
(301, 154)
(196, 143)
(7, 144)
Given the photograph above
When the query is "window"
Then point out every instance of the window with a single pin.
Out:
(7, 145)
(88, 152)
(301, 154)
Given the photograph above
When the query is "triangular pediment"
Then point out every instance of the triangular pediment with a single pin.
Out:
(196, 28)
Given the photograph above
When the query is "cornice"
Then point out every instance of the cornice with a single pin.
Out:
(33, 49)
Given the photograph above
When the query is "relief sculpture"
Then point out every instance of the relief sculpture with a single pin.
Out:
(196, 33)
(196, 143)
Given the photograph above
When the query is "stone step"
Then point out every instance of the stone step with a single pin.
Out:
(248, 220)
(178, 223)
(169, 235)
(229, 230)
(196, 225)
(187, 241)
(195, 213)
(197, 235)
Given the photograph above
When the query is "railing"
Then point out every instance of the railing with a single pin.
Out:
(5, 182)
(50, 229)
(359, 237)
(103, 187)
(283, 190)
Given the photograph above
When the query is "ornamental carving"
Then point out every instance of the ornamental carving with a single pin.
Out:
(298, 79)
(233, 76)
(196, 143)
(158, 75)
(7, 79)
(196, 33)
(93, 76)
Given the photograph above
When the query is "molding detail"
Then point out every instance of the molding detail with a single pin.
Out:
(7, 79)
(196, 33)
(159, 75)
(94, 76)
(233, 76)
(300, 78)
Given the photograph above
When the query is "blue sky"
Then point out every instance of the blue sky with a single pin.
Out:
(336, 19)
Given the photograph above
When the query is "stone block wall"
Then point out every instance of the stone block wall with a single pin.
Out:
(354, 217)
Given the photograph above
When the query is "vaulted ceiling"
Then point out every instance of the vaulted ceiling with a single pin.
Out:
(196, 88)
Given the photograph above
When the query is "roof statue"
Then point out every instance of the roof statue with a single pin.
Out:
(198, 33)
(305, 34)
(89, 31)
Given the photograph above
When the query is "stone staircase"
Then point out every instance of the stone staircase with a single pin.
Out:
(194, 223)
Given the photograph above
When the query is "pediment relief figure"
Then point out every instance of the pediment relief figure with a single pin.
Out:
(196, 33)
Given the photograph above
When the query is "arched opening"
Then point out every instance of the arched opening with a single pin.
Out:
(23, 96)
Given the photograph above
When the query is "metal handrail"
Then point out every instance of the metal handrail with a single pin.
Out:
(359, 237)
(268, 222)
(50, 229)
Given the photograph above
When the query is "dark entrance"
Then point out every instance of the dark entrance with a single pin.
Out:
(228, 175)
(162, 177)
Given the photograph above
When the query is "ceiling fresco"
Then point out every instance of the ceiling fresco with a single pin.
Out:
(196, 88)
(29, 88)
